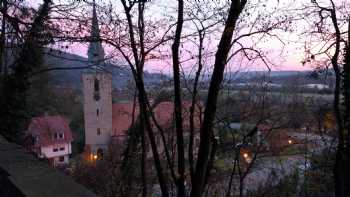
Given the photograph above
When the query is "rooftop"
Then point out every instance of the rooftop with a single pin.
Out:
(46, 126)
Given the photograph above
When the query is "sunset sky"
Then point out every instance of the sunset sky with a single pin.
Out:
(289, 59)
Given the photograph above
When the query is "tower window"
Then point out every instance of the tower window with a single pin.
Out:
(97, 90)
(97, 96)
(98, 131)
(97, 112)
(96, 85)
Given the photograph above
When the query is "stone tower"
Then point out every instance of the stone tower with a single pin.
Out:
(97, 87)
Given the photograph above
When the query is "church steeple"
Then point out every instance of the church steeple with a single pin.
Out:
(95, 52)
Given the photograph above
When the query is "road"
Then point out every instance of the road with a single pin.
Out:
(269, 171)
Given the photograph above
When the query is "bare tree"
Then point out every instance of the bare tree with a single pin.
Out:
(329, 28)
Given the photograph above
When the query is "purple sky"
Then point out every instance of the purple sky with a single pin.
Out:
(290, 59)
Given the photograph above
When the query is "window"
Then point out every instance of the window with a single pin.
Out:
(97, 90)
(61, 159)
(98, 131)
(58, 135)
(97, 96)
(97, 112)
(96, 85)
(62, 148)
(55, 149)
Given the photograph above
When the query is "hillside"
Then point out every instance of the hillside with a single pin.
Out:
(72, 78)
(282, 77)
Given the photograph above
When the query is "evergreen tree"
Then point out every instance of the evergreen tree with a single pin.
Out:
(14, 112)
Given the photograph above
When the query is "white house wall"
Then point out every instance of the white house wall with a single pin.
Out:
(47, 151)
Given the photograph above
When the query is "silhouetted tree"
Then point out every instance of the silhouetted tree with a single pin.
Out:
(328, 23)
(14, 112)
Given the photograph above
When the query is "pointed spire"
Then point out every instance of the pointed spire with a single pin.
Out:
(95, 52)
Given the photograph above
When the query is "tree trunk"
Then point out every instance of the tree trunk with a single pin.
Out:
(137, 71)
(194, 103)
(206, 133)
(343, 155)
(339, 178)
(180, 182)
(143, 106)
(143, 155)
(347, 112)
(3, 67)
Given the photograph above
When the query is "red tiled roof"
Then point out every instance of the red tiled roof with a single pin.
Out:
(163, 112)
(44, 127)
(122, 117)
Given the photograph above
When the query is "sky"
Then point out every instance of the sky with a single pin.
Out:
(289, 59)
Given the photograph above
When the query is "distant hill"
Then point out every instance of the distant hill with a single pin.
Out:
(282, 77)
(71, 78)
(122, 74)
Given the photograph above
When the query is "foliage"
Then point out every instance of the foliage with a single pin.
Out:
(77, 127)
(319, 180)
(104, 177)
(96, 176)
(163, 95)
(15, 113)
(286, 188)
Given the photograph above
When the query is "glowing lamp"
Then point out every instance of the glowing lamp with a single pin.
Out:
(290, 141)
(245, 155)
(95, 157)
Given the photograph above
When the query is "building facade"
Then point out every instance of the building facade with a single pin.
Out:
(97, 87)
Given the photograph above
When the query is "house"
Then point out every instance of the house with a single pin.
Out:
(50, 137)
